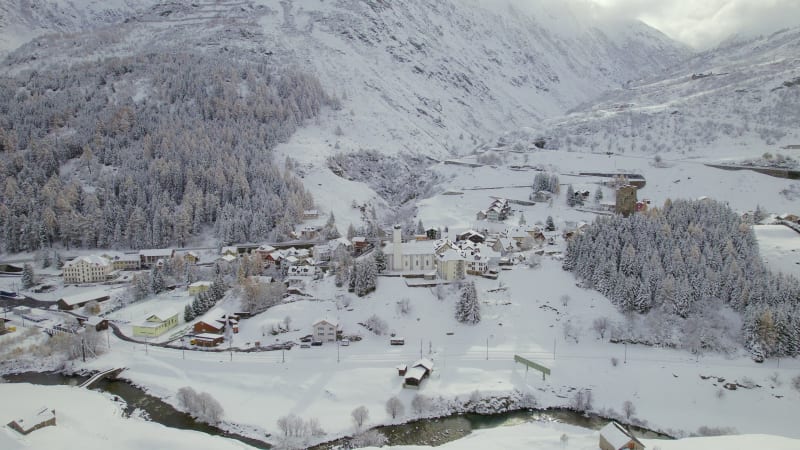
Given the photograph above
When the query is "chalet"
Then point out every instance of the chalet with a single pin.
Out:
(481, 215)
(87, 269)
(310, 214)
(207, 340)
(324, 330)
(191, 257)
(472, 236)
(198, 287)
(614, 437)
(341, 244)
(264, 250)
(150, 257)
(229, 250)
(433, 233)
(273, 259)
(126, 261)
(360, 244)
(205, 327)
(72, 302)
(96, 322)
(789, 218)
(156, 324)
(418, 371)
(43, 417)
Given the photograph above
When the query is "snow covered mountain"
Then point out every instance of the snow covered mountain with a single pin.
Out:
(23, 20)
(738, 100)
(413, 75)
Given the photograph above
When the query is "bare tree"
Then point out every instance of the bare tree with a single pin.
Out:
(420, 404)
(200, 405)
(600, 325)
(360, 416)
(394, 407)
(628, 409)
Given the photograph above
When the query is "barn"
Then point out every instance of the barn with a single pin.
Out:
(614, 437)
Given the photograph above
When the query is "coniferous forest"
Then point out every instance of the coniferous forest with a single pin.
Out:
(687, 267)
(150, 150)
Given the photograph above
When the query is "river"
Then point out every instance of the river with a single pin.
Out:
(418, 432)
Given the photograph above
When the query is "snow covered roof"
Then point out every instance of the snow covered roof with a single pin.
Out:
(91, 259)
(127, 257)
(35, 418)
(83, 297)
(416, 373)
(228, 258)
(342, 241)
(94, 320)
(201, 283)
(208, 336)
(412, 248)
(424, 362)
(616, 435)
(156, 252)
(451, 255)
(162, 315)
(328, 321)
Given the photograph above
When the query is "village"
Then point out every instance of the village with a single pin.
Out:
(297, 301)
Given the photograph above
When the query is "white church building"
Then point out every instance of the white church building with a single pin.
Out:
(416, 256)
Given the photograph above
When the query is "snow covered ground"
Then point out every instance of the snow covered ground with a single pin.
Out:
(780, 247)
(90, 420)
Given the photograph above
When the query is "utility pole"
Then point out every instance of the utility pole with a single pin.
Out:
(554, 349)
(626, 354)
(337, 351)
(487, 348)
(83, 348)
(283, 355)
(420, 348)
(183, 348)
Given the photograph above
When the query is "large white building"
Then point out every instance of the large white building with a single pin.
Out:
(87, 269)
(416, 256)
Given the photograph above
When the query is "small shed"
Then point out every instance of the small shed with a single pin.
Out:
(418, 371)
(207, 340)
(96, 322)
(615, 437)
(43, 417)
(401, 369)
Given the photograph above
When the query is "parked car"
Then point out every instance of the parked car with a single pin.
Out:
(305, 346)
(397, 341)
(316, 343)
(345, 342)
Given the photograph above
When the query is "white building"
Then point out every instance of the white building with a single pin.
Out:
(324, 330)
(417, 256)
(451, 265)
(87, 269)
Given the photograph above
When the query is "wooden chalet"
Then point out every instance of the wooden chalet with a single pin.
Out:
(418, 371)
(207, 340)
(205, 327)
(96, 322)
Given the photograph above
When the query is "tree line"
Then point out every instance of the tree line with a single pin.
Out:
(690, 263)
(150, 150)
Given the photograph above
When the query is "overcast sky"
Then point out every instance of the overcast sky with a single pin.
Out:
(704, 23)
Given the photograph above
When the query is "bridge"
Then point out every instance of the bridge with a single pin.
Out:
(109, 374)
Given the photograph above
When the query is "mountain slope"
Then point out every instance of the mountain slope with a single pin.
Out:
(413, 75)
(735, 101)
